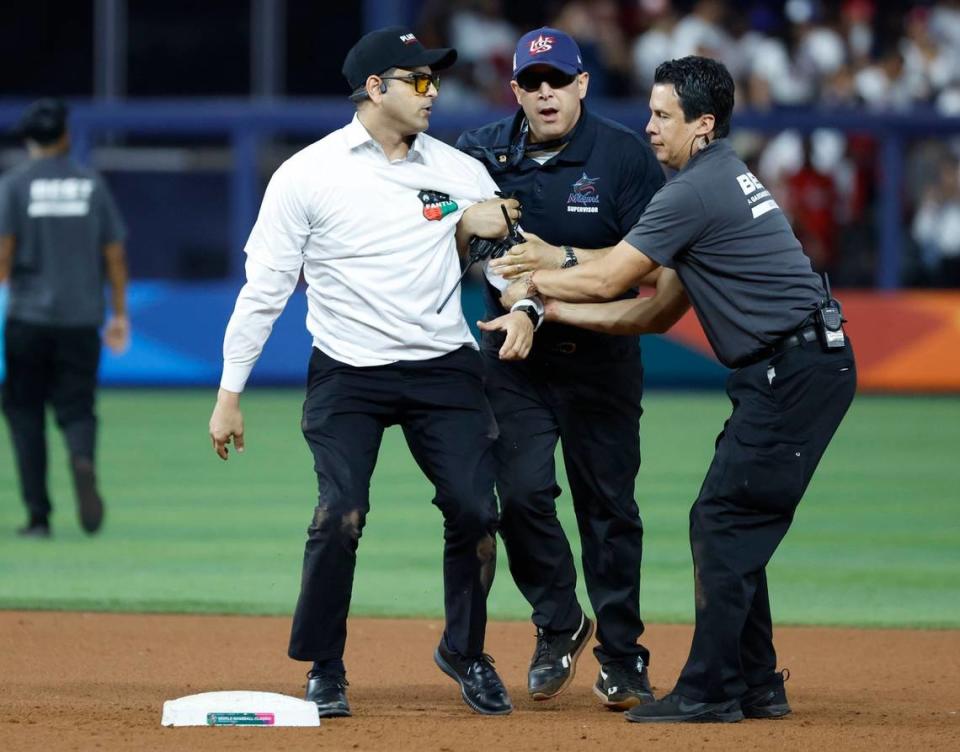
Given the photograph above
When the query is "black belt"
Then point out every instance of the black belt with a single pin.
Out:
(807, 334)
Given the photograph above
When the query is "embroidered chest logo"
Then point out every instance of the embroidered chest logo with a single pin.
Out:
(584, 197)
(436, 205)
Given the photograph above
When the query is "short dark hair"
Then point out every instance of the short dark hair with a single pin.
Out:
(704, 87)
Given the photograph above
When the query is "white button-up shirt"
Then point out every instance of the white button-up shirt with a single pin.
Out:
(376, 242)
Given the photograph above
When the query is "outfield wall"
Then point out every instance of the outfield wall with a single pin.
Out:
(905, 341)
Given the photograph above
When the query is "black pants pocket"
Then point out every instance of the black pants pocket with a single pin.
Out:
(768, 476)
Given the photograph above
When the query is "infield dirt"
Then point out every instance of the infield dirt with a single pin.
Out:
(84, 681)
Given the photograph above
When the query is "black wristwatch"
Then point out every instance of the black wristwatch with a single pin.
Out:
(533, 307)
(571, 257)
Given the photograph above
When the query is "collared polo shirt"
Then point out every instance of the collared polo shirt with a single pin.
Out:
(588, 195)
(376, 242)
(743, 268)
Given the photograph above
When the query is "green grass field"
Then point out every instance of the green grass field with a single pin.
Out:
(876, 541)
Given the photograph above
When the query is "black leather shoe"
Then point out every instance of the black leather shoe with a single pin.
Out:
(676, 708)
(480, 686)
(768, 700)
(623, 684)
(89, 503)
(329, 692)
(554, 661)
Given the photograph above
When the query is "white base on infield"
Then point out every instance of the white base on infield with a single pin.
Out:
(239, 709)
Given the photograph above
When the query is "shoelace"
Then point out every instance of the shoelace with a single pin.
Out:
(544, 650)
(482, 667)
(625, 677)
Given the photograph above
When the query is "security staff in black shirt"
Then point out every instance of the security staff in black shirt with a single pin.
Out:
(61, 238)
(582, 180)
(769, 317)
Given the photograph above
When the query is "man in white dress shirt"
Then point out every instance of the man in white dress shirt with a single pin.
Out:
(373, 215)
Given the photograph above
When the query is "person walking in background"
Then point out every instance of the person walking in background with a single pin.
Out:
(374, 214)
(61, 237)
(582, 180)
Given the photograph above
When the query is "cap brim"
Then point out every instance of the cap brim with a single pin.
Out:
(571, 69)
(437, 59)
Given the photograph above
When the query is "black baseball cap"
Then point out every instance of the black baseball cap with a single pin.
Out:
(392, 47)
(44, 121)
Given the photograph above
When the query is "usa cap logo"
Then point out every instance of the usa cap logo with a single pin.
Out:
(541, 44)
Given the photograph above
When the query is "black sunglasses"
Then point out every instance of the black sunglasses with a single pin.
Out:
(420, 81)
(530, 80)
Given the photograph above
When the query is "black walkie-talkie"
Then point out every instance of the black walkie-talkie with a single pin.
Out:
(484, 248)
(830, 321)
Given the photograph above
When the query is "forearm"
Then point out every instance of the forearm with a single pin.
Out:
(621, 268)
(116, 270)
(228, 398)
(7, 244)
(463, 239)
(650, 315)
(636, 316)
(261, 300)
(586, 255)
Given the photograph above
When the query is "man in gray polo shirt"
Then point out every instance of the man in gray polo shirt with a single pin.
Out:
(60, 236)
(769, 318)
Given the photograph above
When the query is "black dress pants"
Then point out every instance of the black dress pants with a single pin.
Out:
(55, 365)
(591, 405)
(785, 411)
(450, 429)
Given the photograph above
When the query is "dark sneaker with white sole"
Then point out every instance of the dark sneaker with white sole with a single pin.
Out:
(328, 690)
(554, 661)
(480, 686)
(768, 700)
(623, 684)
(676, 708)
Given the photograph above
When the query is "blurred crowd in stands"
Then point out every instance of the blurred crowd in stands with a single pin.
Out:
(851, 55)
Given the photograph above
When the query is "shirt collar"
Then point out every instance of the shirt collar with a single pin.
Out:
(714, 147)
(579, 146)
(357, 135)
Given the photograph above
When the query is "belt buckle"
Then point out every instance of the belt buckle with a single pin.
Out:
(566, 348)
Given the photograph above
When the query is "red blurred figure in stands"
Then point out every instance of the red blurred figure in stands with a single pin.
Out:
(813, 211)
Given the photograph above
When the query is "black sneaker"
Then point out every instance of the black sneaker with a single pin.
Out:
(676, 708)
(89, 503)
(623, 684)
(34, 529)
(329, 691)
(554, 661)
(480, 686)
(768, 700)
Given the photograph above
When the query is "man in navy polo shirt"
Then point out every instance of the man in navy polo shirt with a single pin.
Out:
(583, 181)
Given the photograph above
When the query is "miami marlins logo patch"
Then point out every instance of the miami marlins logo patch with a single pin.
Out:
(584, 197)
(436, 205)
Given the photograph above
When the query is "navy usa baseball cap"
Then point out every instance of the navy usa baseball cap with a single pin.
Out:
(44, 121)
(391, 47)
(547, 46)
